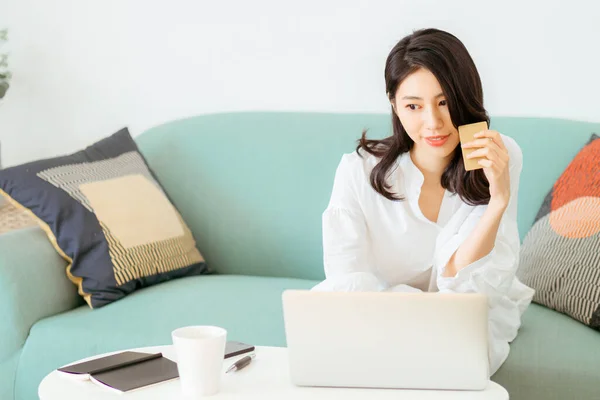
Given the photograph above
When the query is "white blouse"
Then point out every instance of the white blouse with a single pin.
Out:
(373, 244)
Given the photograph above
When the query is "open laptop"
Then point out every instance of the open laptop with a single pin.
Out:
(387, 340)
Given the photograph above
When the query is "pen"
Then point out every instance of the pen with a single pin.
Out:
(241, 363)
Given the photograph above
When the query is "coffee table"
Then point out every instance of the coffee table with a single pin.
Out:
(266, 378)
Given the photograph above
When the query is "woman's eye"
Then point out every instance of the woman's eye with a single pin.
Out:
(413, 107)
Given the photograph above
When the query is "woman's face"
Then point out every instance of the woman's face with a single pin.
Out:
(423, 112)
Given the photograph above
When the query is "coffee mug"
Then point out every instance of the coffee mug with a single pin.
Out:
(200, 351)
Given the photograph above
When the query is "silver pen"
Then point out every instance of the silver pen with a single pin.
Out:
(241, 363)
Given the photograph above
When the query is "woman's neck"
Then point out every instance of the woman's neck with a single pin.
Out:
(432, 168)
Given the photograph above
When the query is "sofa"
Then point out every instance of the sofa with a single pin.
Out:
(252, 187)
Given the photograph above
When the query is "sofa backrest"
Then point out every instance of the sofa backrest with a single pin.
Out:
(252, 186)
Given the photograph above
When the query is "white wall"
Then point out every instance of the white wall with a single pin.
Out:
(83, 69)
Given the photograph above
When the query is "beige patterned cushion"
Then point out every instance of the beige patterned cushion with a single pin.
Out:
(12, 218)
(107, 215)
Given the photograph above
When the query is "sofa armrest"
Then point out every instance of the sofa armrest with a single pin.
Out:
(33, 285)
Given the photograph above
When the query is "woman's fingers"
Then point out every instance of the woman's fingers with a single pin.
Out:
(486, 143)
(488, 151)
(486, 163)
(478, 143)
(493, 135)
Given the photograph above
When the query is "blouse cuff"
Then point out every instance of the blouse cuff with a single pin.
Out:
(461, 282)
(492, 274)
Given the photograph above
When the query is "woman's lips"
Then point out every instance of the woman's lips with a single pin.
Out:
(437, 141)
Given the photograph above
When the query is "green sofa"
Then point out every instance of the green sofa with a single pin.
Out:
(252, 187)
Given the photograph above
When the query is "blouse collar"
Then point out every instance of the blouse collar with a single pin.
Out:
(413, 181)
(413, 177)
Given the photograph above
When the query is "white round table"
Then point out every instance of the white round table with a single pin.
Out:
(267, 377)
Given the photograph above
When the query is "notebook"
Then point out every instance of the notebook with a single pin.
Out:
(130, 370)
(126, 371)
(138, 375)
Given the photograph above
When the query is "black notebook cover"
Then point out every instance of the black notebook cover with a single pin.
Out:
(139, 375)
(108, 363)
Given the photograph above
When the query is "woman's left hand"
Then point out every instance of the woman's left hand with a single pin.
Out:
(494, 159)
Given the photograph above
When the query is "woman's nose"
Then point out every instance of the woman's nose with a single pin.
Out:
(432, 119)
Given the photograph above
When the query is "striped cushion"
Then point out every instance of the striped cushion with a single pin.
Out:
(560, 256)
(108, 216)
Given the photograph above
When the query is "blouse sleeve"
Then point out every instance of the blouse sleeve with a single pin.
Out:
(345, 251)
(493, 274)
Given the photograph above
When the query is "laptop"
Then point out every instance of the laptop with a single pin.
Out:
(387, 340)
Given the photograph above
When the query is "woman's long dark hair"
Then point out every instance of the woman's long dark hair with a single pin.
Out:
(449, 61)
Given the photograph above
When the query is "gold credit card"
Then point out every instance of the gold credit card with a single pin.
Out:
(466, 132)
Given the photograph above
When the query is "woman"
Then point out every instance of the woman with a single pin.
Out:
(405, 215)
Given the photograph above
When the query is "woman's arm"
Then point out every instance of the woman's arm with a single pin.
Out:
(492, 239)
(345, 252)
(486, 243)
(480, 241)
(494, 157)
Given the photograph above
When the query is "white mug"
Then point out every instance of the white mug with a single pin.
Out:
(200, 353)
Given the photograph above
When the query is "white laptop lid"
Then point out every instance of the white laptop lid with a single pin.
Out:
(387, 340)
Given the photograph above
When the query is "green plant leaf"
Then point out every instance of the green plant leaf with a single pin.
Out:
(3, 88)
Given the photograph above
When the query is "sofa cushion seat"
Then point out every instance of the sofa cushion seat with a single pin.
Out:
(553, 357)
(248, 307)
